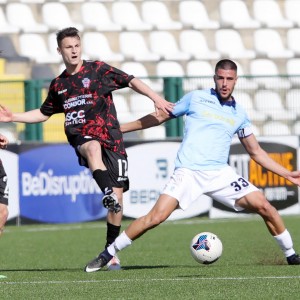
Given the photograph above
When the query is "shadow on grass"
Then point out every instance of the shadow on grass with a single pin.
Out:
(81, 269)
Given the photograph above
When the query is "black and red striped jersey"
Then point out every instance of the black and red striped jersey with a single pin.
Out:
(86, 100)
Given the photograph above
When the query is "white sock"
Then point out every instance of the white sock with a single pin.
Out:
(121, 242)
(284, 240)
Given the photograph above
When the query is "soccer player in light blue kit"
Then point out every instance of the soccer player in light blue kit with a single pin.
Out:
(213, 117)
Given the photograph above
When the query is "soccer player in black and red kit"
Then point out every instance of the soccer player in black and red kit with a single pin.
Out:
(3, 188)
(83, 92)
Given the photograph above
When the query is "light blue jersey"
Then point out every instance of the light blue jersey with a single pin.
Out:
(209, 129)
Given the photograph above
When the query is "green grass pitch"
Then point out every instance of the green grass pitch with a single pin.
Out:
(47, 261)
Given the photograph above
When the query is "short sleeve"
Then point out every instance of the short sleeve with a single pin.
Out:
(113, 77)
(50, 106)
(182, 106)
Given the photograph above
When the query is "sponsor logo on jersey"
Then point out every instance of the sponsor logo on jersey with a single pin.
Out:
(78, 100)
(75, 117)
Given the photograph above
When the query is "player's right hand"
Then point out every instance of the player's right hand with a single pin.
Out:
(5, 114)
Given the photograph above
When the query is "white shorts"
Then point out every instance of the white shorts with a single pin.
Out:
(224, 186)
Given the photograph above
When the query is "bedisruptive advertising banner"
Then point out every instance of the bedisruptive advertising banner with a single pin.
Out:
(280, 192)
(54, 188)
(150, 167)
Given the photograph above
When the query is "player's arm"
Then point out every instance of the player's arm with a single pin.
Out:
(160, 103)
(147, 121)
(31, 116)
(261, 157)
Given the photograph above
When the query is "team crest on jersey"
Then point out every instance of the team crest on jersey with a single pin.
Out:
(86, 82)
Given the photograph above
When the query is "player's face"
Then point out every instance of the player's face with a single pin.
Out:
(70, 50)
(225, 81)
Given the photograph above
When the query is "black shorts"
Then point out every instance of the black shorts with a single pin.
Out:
(116, 164)
(3, 185)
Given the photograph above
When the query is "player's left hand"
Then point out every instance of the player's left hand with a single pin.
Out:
(164, 105)
(294, 177)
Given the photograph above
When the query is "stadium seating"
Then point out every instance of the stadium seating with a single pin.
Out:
(169, 69)
(139, 70)
(296, 128)
(203, 69)
(229, 43)
(70, 1)
(243, 82)
(34, 46)
(122, 108)
(276, 128)
(193, 13)
(291, 9)
(128, 46)
(95, 16)
(194, 43)
(157, 14)
(200, 68)
(268, 42)
(9, 51)
(140, 106)
(270, 103)
(165, 44)
(96, 46)
(245, 100)
(268, 12)
(167, 38)
(292, 101)
(293, 37)
(127, 15)
(293, 70)
(256, 130)
(21, 16)
(265, 70)
(234, 13)
(5, 27)
(32, 1)
(57, 16)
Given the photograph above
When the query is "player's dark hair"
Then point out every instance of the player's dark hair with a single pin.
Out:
(66, 32)
(226, 64)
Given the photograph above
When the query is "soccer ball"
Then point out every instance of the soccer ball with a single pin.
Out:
(206, 248)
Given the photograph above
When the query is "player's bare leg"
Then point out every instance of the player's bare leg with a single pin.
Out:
(162, 209)
(3, 217)
(256, 202)
(92, 152)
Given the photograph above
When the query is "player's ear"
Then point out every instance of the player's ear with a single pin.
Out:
(58, 50)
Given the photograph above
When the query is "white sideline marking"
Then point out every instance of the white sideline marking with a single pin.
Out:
(150, 279)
